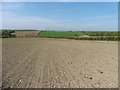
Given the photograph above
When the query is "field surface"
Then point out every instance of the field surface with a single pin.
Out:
(59, 34)
(55, 63)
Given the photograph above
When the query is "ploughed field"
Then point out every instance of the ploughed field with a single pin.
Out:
(59, 63)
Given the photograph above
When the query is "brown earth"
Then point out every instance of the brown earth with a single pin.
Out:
(26, 33)
(55, 63)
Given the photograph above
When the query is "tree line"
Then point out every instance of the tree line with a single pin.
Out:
(7, 33)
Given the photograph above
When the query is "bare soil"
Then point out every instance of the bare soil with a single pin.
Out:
(59, 63)
(26, 33)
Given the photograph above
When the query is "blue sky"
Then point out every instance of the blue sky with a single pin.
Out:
(76, 16)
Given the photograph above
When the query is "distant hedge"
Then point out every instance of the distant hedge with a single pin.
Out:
(101, 33)
(109, 38)
(82, 35)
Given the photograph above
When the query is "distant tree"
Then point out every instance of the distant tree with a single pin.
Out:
(7, 33)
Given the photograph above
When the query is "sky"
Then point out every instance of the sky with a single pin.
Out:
(65, 16)
(60, 0)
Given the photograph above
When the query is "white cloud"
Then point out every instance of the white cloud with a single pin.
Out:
(15, 21)
(11, 20)
(12, 7)
(103, 17)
